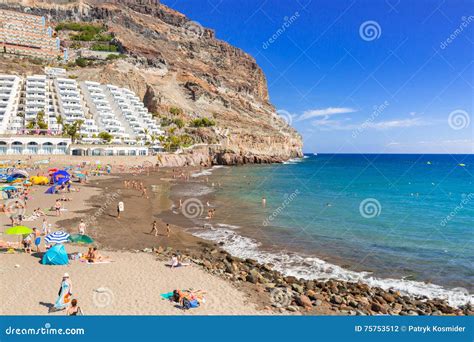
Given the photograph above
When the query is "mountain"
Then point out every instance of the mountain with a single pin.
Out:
(176, 65)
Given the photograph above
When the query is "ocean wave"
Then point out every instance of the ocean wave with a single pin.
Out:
(293, 161)
(206, 172)
(309, 267)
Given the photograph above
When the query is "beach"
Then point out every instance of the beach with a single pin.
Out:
(133, 281)
(131, 284)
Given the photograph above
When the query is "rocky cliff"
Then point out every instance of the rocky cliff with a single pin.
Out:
(172, 61)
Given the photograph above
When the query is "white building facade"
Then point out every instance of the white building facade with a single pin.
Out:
(40, 105)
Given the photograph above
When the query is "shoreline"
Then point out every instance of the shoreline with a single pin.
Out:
(257, 285)
(254, 276)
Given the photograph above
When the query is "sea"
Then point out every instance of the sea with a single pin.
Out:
(395, 221)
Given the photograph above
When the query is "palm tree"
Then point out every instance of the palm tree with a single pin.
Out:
(72, 130)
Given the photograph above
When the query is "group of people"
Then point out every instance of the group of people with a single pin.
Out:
(136, 185)
(154, 228)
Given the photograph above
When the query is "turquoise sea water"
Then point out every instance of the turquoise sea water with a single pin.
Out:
(391, 220)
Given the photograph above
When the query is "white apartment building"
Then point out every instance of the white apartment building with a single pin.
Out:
(10, 86)
(101, 108)
(133, 112)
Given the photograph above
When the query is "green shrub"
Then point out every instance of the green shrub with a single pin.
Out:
(176, 110)
(104, 47)
(113, 56)
(80, 27)
(81, 62)
(203, 122)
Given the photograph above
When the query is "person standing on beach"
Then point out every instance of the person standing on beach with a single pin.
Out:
(154, 228)
(37, 239)
(44, 227)
(120, 208)
(168, 230)
(64, 294)
(82, 228)
(57, 207)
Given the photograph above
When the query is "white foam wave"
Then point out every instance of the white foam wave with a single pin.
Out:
(293, 161)
(206, 172)
(308, 267)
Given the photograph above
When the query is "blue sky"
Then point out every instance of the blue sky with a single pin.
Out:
(391, 76)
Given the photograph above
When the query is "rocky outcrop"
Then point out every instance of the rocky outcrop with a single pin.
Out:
(288, 294)
(174, 62)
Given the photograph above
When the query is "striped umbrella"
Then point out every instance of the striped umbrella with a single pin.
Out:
(57, 237)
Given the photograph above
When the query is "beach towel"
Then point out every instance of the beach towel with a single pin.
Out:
(167, 295)
(64, 296)
(99, 262)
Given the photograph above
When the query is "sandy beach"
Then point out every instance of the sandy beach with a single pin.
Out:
(132, 283)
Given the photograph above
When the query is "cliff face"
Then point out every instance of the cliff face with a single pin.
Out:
(173, 61)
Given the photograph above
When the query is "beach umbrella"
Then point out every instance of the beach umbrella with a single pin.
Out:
(57, 237)
(19, 230)
(19, 173)
(62, 180)
(8, 188)
(79, 238)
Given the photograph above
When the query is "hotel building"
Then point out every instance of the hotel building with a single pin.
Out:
(100, 108)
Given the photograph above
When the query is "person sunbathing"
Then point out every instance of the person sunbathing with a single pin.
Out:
(96, 256)
(179, 296)
(40, 212)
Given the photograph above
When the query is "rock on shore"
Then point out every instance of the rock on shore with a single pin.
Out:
(290, 294)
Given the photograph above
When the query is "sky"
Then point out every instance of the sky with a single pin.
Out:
(394, 76)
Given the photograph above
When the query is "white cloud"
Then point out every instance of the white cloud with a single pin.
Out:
(328, 124)
(308, 114)
(396, 124)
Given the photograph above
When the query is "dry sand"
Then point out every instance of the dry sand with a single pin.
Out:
(132, 284)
